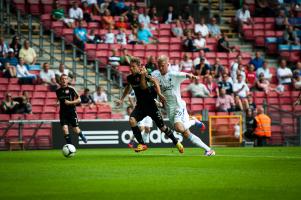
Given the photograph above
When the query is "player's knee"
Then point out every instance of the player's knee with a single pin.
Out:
(186, 134)
(65, 130)
(76, 129)
(133, 121)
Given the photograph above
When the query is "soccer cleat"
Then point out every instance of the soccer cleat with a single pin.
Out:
(83, 137)
(180, 147)
(210, 153)
(140, 147)
(131, 144)
(199, 124)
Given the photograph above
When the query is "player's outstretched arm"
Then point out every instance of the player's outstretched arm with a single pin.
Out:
(126, 91)
(157, 88)
(191, 76)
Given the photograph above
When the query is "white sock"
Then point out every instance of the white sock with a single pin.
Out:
(198, 142)
(191, 122)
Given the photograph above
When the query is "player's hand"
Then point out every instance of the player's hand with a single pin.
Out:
(192, 77)
(159, 104)
(119, 102)
(162, 98)
(143, 71)
(68, 102)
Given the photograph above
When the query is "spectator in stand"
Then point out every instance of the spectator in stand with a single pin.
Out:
(251, 76)
(86, 98)
(186, 16)
(151, 64)
(242, 17)
(113, 8)
(121, 23)
(170, 15)
(174, 65)
(223, 45)
(121, 37)
(197, 89)
(203, 68)
(262, 84)
(87, 12)
(290, 36)
(200, 42)
(224, 102)
(114, 59)
(281, 20)
(240, 71)
(11, 59)
(177, 30)
(186, 64)
(48, 77)
(250, 124)
(263, 127)
(28, 54)
(125, 59)
(201, 28)
(217, 68)
(22, 71)
(211, 86)
(58, 13)
(3, 48)
(76, 12)
(226, 84)
(121, 7)
(241, 89)
(234, 67)
(107, 20)
(251, 103)
(143, 18)
(263, 8)
(145, 36)
(93, 4)
(257, 61)
(153, 15)
(15, 45)
(189, 44)
(238, 106)
(213, 28)
(24, 106)
(93, 38)
(265, 70)
(130, 13)
(9, 71)
(8, 105)
(103, 6)
(132, 38)
(100, 96)
(129, 110)
(62, 70)
(298, 67)
(135, 21)
(80, 37)
(109, 37)
(284, 73)
(197, 60)
(296, 80)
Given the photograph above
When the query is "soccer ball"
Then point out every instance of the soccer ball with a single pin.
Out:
(69, 150)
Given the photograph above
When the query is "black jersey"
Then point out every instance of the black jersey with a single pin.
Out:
(143, 96)
(67, 93)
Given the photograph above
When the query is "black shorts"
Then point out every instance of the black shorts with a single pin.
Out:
(69, 119)
(141, 111)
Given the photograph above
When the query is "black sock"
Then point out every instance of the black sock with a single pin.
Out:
(137, 134)
(80, 134)
(68, 139)
(170, 135)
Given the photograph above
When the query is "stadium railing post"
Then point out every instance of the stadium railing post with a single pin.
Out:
(96, 72)
(51, 46)
(8, 17)
(120, 82)
(30, 29)
(73, 58)
(18, 22)
(85, 70)
(108, 67)
(63, 50)
(209, 8)
(41, 40)
(109, 89)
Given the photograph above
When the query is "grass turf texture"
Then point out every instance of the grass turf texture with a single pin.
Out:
(235, 173)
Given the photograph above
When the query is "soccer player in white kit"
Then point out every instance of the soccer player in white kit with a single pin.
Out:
(170, 82)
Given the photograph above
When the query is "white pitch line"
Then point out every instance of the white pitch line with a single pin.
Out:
(238, 156)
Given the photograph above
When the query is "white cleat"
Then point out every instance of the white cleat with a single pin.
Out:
(210, 153)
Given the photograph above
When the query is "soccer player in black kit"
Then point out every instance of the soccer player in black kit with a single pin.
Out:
(68, 99)
(139, 80)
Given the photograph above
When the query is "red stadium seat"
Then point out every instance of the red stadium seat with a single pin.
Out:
(34, 7)
(67, 33)
(47, 6)
(4, 117)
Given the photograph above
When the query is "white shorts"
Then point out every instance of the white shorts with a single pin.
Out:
(180, 114)
(146, 121)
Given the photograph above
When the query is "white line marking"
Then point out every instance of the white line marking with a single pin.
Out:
(238, 156)
(100, 142)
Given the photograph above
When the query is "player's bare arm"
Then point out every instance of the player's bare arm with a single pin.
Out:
(157, 88)
(126, 91)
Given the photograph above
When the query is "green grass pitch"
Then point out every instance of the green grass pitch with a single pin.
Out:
(235, 173)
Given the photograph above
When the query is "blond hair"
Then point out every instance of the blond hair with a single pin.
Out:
(162, 58)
